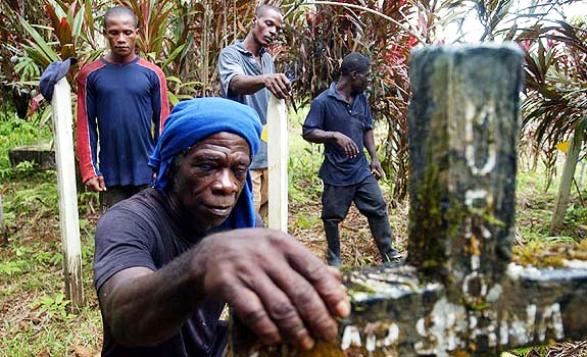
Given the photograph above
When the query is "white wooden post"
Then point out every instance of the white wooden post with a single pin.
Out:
(277, 156)
(3, 236)
(68, 214)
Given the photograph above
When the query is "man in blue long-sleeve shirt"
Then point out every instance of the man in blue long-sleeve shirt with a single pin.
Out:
(122, 105)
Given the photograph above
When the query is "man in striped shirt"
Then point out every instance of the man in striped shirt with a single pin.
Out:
(122, 105)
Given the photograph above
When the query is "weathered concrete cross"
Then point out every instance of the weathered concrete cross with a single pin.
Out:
(459, 294)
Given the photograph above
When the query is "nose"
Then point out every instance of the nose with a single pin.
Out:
(225, 183)
(121, 39)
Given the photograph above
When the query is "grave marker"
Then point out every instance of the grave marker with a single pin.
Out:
(66, 179)
(459, 294)
(277, 157)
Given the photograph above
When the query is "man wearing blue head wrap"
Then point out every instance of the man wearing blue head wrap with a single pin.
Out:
(170, 257)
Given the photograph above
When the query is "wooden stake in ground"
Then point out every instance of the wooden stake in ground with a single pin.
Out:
(3, 233)
(68, 213)
(460, 294)
(564, 190)
(277, 159)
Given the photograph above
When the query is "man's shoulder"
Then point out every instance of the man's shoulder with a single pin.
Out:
(234, 49)
(151, 66)
(89, 68)
(323, 97)
(144, 205)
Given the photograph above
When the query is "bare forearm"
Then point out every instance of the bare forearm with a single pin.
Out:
(319, 136)
(151, 308)
(370, 145)
(243, 84)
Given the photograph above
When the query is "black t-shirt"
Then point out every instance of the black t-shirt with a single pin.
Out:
(140, 232)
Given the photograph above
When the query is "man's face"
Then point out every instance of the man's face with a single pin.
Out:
(122, 35)
(267, 26)
(361, 81)
(211, 177)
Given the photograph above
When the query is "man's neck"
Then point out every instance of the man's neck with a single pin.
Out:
(251, 45)
(343, 87)
(180, 215)
(112, 58)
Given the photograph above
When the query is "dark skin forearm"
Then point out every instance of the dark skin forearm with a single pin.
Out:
(319, 136)
(143, 307)
(370, 144)
(344, 142)
(243, 84)
(275, 286)
(276, 83)
(375, 166)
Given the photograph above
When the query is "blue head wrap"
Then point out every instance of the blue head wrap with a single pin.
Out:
(194, 120)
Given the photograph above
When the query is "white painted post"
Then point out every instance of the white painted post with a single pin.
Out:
(68, 214)
(277, 156)
(3, 236)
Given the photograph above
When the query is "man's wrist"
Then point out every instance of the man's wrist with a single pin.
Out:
(89, 179)
(196, 267)
(263, 79)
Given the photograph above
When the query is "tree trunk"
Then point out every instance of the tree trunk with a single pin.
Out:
(562, 200)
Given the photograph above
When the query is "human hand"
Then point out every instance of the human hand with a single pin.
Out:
(96, 183)
(376, 169)
(278, 288)
(347, 144)
(278, 84)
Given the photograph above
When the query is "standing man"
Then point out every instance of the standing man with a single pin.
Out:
(247, 76)
(340, 119)
(122, 105)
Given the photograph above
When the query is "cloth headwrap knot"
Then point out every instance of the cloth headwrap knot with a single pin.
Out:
(194, 120)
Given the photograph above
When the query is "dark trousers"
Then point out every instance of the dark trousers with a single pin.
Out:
(115, 194)
(336, 201)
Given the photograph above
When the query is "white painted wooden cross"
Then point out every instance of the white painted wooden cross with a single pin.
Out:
(66, 179)
(460, 294)
(277, 160)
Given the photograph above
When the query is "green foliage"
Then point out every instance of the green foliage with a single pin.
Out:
(15, 132)
(54, 306)
(304, 163)
(556, 99)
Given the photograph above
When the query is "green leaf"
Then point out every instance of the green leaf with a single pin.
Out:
(38, 55)
(78, 22)
(39, 41)
(173, 79)
(172, 56)
(172, 98)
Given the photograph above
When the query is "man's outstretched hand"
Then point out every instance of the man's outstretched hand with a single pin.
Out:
(277, 84)
(278, 288)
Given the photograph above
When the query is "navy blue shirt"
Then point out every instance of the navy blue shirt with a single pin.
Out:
(140, 232)
(330, 112)
(121, 110)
